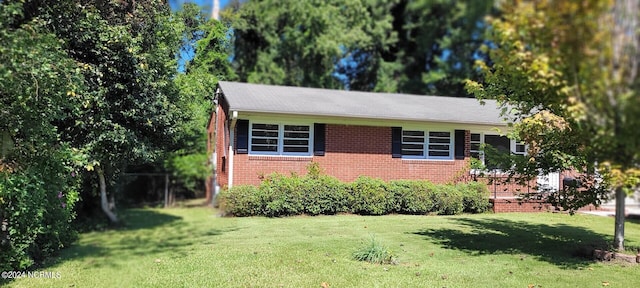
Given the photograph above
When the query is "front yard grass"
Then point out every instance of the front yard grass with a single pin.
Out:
(192, 247)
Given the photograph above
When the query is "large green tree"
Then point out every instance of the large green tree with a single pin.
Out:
(438, 43)
(566, 74)
(38, 187)
(125, 51)
(420, 47)
(206, 48)
(299, 43)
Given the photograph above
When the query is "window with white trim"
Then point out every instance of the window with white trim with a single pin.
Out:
(500, 143)
(418, 144)
(476, 146)
(280, 139)
(519, 148)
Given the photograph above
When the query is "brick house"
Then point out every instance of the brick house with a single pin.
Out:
(260, 129)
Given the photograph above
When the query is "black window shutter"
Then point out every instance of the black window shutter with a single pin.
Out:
(396, 142)
(242, 128)
(318, 139)
(459, 144)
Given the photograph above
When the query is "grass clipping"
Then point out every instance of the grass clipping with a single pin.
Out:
(375, 252)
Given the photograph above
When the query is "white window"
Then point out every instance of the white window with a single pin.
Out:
(476, 146)
(518, 148)
(413, 143)
(500, 143)
(280, 139)
(418, 144)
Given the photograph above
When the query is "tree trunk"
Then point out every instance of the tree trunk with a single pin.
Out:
(103, 197)
(215, 10)
(618, 239)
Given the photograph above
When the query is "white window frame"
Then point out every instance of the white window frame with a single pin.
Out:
(280, 148)
(425, 144)
(513, 144)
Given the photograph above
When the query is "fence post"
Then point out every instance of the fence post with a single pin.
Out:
(166, 190)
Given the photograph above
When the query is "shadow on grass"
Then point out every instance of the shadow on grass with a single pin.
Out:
(145, 219)
(562, 245)
(143, 233)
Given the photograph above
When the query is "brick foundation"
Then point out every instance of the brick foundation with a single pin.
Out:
(501, 205)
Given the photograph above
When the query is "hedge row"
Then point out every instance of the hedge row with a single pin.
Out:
(280, 195)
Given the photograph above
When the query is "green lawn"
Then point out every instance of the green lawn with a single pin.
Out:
(192, 247)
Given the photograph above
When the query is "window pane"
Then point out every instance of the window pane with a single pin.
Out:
(439, 147)
(439, 140)
(412, 133)
(261, 148)
(439, 144)
(296, 139)
(412, 146)
(496, 146)
(296, 134)
(439, 153)
(288, 142)
(440, 134)
(264, 137)
(296, 128)
(257, 126)
(264, 133)
(296, 149)
(475, 137)
(412, 143)
(264, 141)
(413, 139)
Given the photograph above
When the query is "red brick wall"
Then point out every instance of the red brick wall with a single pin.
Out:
(351, 151)
(513, 205)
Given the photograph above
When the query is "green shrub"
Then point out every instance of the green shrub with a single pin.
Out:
(242, 200)
(448, 199)
(369, 196)
(375, 252)
(315, 194)
(325, 195)
(282, 195)
(475, 197)
(413, 197)
(36, 210)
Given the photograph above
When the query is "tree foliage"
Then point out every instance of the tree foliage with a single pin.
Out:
(438, 42)
(420, 47)
(298, 43)
(566, 72)
(38, 187)
(209, 41)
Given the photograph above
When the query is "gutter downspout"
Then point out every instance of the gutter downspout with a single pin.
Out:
(214, 154)
(232, 129)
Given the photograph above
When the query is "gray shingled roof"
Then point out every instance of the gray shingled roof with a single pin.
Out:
(245, 97)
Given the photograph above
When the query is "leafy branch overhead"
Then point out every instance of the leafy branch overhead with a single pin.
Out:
(567, 72)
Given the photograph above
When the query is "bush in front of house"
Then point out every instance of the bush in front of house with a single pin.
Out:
(475, 197)
(241, 201)
(282, 195)
(449, 200)
(325, 195)
(370, 196)
(316, 194)
(413, 197)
